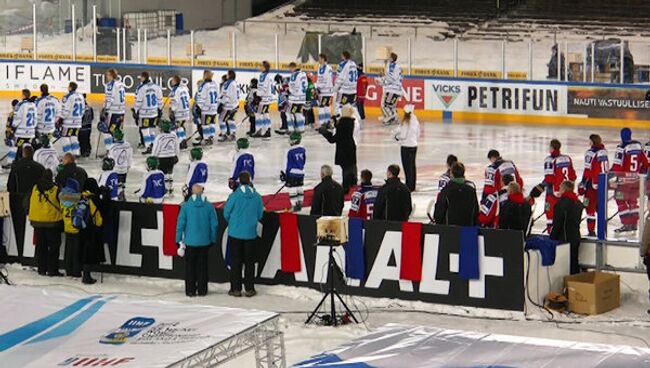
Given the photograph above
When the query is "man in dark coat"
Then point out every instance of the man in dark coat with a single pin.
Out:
(515, 212)
(71, 171)
(567, 216)
(346, 148)
(23, 176)
(393, 201)
(328, 195)
(457, 203)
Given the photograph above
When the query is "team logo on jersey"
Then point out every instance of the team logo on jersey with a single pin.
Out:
(447, 93)
(129, 329)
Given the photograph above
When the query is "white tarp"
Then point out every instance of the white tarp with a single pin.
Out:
(45, 328)
(394, 345)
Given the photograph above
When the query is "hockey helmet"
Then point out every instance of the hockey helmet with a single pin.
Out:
(166, 126)
(118, 135)
(196, 153)
(295, 138)
(44, 139)
(152, 162)
(242, 143)
(108, 163)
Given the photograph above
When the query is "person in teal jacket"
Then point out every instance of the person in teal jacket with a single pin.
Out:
(243, 210)
(196, 231)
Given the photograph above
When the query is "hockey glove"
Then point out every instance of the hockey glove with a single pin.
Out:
(232, 184)
(219, 108)
(9, 142)
(582, 189)
(159, 113)
(172, 117)
(537, 191)
(283, 176)
(135, 115)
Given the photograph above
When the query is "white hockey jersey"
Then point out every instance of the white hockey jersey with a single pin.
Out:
(72, 110)
(148, 100)
(122, 153)
(48, 157)
(393, 79)
(346, 78)
(24, 121)
(298, 87)
(230, 95)
(114, 97)
(325, 82)
(166, 145)
(180, 105)
(266, 88)
(47, 109)
(208, 97)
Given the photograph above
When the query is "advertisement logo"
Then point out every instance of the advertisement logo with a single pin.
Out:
(128, 330)
(447, 93)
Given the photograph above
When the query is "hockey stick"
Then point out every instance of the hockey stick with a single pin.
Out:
(275, 195)
(190, 137)
(612, 216)
(99, 137)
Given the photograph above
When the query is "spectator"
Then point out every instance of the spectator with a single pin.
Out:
(515, 211)
(393, 201)
(91, 238)
(23, 176)
(196, 229)
(457, 203)
(69, 197)
(47, 220)
(328, 195)
(408, 138)
(70, 170)
(362, 90)
(346, 148)
(566, 221)
(86, 129)
(243, 210)
(446, 176)
(645, 247)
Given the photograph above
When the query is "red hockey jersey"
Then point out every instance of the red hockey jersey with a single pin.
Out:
(596, 163)
(557, 168)
(630, 158)
(494, 173)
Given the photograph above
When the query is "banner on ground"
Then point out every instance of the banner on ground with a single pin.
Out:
(138, 250)
(129, 76)
(56, 329)
(17, 75)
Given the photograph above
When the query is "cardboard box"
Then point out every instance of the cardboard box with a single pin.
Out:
(593, 292)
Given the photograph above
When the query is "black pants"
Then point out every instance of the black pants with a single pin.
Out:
(72, 255)
(361, 108)
(84, 141)
(242, 253)
(166, 164)
(575, 263)
(408, 163)
(309, 116)
(196, 271)
(17, 207)
(349, 177)
(283, 118)
(48, 244)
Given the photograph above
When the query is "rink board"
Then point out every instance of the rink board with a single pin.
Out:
(48, 328)
(494, 100)
(396, 346)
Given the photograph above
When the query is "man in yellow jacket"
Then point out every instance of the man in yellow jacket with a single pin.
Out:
(46, 218)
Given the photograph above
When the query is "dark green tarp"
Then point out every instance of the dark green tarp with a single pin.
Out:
(332, 45)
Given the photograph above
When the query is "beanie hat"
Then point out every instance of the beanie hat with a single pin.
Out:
(72, 186)
(626, 135)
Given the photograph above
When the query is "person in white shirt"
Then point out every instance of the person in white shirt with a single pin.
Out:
(179, 111)
(166, 148)
(265, 94)
(297, 95)
(407, 136)
(207, 104)
(112, 115)
(228, 106)
(73, 107)
(391, 80)
(148, 109)
(22, 128)
(122, 153)
(346, 82)
(46, 155)
(325, 90)
(47, 109)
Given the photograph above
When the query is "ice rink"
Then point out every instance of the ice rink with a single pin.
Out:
(526, 145)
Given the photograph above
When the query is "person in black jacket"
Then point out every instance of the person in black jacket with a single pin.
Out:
(86, 129)
(23, 176)
(70, 170)
(328, 195)
(515, 212)
(346, 148)
(457, 202)
(567, 216)
(393, 201)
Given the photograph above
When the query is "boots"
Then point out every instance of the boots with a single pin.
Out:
(86, 277)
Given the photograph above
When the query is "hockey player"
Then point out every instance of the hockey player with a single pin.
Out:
(325, 91)
(283, 101)
(112, 114)
(297, 95)
(311, 101)
(363, 199)
(23, 127)
(207, 102)
(46, 155)
(229, 104)
(197, 173)
(251, 103)
(265, 92)
(391, 80)
(629, 162)
(179, 111)
(166, 149)
(153, 185)
(446, 176)
(109, 178)
(495, 171)
(122, 153)
(86, 128)
(346, 82)
(596, 163)
(69, 123)
(293, 173)
(147, 110)
(243, 160)
(490, 206)
(47, 109)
